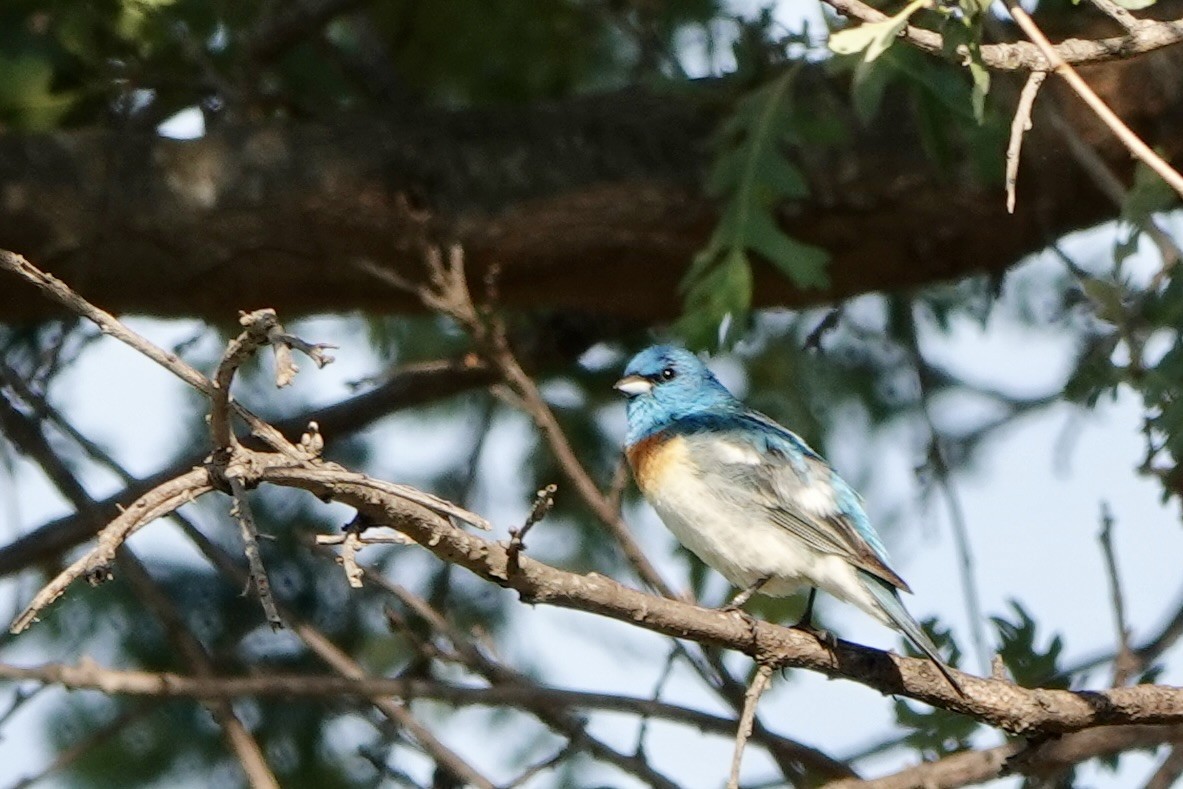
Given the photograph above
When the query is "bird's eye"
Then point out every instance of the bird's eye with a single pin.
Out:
(668, 374)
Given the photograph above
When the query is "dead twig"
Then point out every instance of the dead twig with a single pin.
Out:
(96, 562)
(1126, 662)
(1120, 15)
(1057, 64)
(544, 501)
(260, 328)
(61, 293)
(1023, 56)
(241, 511)
(1018, 127)
(751, 698)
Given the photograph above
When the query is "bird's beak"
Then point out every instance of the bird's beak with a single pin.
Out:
(633, 385)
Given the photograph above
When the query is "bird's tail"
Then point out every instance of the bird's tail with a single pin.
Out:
(891, 605)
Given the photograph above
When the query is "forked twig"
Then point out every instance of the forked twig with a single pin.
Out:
(158, 502)
(1057, 64)
(61, 293)
(544, 501)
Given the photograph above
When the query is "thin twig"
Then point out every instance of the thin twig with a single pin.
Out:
(813, 341)
(1022, 56)
(1169, 772)
(1120, 15)
(544, 501)
(238, 738)
(260, 328)
(1057, 64)
(61, 293)
(1107, 181)
(241, 510)
(1018, 127)
(569, 748)
(1126, 663)
(158, 502)
(751, 698)
(957, 520)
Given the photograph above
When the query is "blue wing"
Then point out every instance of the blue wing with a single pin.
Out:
(758, 459)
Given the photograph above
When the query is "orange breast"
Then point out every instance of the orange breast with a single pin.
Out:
(654, 457)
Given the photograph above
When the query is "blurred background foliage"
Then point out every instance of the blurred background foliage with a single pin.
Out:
(854, 371)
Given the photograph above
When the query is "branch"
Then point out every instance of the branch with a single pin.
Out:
(550, 705)
(1042, 759)
(59, 292)
(241, 743)
(751, 699)
(1020, 126)
(345, 666)
(1022, 56)
(1057, 64)
(448, 293)
(994, 702)
(95, 563)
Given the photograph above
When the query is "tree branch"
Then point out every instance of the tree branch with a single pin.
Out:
(1022, 56)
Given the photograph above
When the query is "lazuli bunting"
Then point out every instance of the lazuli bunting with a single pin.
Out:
(750, 498)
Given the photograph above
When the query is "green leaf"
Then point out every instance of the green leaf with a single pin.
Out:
(753, 174)
(866, 89)
(1149, 195)
(1030, 666)
(873, 38)
(803, 264)
(981, 82)
(722, 294)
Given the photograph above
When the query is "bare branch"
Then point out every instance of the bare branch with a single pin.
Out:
(61, 293)
(1040, 759)
(1125, 664)
(241, 510)
(544, 500)
(449, 295)
(1019, 126)
(1057, 64)
(1121, 15)
(241, 743)
(1022, 56)
(751, 699)
(95, 563)
(1169, 772)
(995, 703)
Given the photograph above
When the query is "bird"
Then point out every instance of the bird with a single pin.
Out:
(751, 499)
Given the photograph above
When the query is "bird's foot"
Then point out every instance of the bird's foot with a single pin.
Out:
(741, 599)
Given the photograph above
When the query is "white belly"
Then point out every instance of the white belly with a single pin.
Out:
(741, 545)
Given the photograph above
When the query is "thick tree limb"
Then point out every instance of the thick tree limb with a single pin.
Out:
(591, 204)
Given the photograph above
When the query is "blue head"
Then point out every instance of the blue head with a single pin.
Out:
(664, 384)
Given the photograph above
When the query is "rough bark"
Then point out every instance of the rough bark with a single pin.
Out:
(591, 204)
